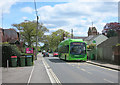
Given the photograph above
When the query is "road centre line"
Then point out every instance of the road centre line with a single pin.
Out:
(73, 65)
(108, 81)
(86, 71)
(83, 69)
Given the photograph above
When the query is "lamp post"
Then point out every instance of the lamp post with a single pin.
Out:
(36, 31)
(36, 51)
(71, 33)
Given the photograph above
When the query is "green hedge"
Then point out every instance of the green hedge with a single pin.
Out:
(8, 51)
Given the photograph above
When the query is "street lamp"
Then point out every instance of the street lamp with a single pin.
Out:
(36, 31)
(36, 39)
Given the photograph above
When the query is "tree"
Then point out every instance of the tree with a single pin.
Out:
(27, 30)
(111, 28)
(111, 33)
(55, 38)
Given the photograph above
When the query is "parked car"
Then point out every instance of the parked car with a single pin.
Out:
(55, 54)
(45, 54)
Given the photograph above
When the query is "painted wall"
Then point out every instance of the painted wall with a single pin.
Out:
(105, 49)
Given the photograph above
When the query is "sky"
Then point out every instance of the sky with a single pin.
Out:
(60, 14)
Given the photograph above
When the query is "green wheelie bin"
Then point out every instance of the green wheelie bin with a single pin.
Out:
(14, 61)
(29, 60)
(22, 61)
(92, 56)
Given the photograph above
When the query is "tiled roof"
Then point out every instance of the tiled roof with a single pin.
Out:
(91, 37)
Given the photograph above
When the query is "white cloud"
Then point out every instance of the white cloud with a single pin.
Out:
(49, 25)
(78, 15)
(27, 9)
(5, 6)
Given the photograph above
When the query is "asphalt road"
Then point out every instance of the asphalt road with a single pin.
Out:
(81, 72)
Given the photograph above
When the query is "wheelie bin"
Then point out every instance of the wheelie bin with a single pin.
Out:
(29, 60)
(14, 61)
(92, 57)
(22, 61)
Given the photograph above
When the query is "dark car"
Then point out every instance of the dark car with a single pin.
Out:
(45, 54)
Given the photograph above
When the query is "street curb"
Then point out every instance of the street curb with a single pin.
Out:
(103, 66)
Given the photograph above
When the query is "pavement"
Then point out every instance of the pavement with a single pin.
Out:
(27, 75)
(104, 64)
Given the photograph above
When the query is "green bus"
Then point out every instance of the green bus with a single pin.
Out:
(73, 49)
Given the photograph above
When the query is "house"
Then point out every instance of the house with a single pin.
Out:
(9, 35)
(92, 31)
(1, 35)
(105, 49)
(96, 39)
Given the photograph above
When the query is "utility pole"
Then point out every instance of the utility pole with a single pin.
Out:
(71, 33)
(2, 18)
(92, 24)
(36, 51)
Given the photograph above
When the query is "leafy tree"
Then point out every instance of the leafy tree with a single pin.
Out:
(111, 33)
(27, 30)
(55, 38)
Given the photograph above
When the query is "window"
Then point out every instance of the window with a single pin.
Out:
(64, 49)
(78, 48)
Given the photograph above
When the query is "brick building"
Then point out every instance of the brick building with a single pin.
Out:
(92, 31)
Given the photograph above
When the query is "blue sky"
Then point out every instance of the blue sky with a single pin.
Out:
(65, 14)
(16, 14)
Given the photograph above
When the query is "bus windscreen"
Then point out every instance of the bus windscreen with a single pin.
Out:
(77, 48)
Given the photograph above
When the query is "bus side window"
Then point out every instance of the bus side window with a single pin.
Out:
(66, 48)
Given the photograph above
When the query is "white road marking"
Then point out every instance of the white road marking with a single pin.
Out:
(79, 67)
(31, 75)
(78, 63)
(108, 81)
(86, 71)
(83, 69)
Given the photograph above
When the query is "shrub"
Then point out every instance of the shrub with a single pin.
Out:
(8, 51)
(91, 46)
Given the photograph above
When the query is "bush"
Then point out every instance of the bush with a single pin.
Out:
(91, 46)
(8, 51)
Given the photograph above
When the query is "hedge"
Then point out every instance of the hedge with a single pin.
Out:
(8, 51)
